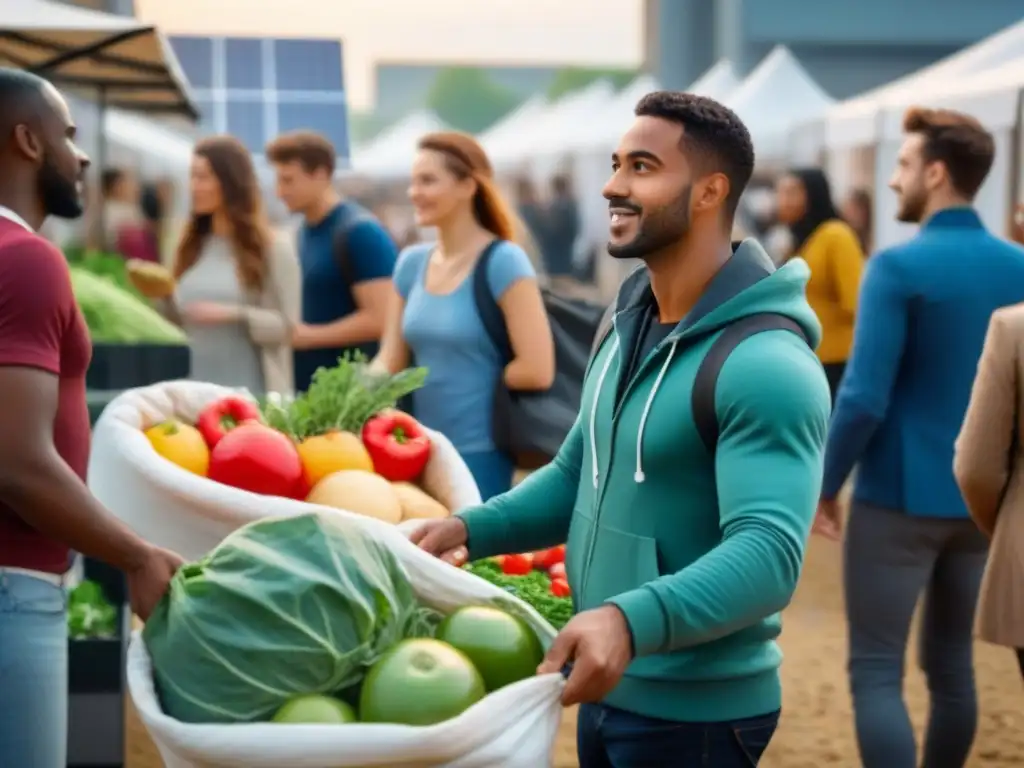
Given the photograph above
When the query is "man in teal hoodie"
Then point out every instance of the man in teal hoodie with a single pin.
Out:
(687, 487)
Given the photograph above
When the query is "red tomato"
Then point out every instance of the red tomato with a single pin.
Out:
(517, 565)
(500, 560)
(544, 559)
(560, 588)
(557, 571)
(259, 459)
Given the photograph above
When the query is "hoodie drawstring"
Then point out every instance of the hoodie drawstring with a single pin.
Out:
(638, 476)
(593, 408)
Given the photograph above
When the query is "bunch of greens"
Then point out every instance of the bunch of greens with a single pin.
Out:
(534, 589)
(341, 398)
(281, 607)
(90, 614)
(109, 266)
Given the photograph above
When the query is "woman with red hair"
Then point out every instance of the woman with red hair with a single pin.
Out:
(434, 320)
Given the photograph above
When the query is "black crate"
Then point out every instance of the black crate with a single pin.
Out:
(96, 681)
(123, 366)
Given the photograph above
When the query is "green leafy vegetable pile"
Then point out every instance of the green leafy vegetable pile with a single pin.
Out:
(341, 398)
(282, 607)
(90, 614)
(116, 316)
(533, 588)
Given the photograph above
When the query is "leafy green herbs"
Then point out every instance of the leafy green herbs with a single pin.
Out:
(341, 398)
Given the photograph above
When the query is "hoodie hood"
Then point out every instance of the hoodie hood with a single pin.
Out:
(749, 283)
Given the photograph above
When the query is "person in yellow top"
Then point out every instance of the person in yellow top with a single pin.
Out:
(833, 252)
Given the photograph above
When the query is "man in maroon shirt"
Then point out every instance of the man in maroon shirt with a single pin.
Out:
(45, 508)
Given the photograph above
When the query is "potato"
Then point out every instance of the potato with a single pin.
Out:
(417, 504)
(356, 490)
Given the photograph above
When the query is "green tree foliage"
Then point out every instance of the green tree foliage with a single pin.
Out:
(469, 99)
(575, 78)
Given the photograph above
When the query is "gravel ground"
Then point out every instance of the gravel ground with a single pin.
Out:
(816, 729)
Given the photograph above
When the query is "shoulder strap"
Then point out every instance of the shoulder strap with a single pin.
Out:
(603, 328)
(487, 306)
(703, 396)
(339, 241)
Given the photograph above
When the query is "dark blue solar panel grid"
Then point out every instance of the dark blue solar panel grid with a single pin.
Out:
(329, 119)
(309, 65)
(246, 121)
(244, 60)
(196, 57)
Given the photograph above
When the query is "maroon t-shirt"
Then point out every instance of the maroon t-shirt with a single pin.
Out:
(42, 327)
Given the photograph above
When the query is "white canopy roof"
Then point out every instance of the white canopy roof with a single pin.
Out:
(991, 96)
(718, 82)
(778, 95)
(854, 122)
(81, 48)
(612, 118)
(391, 153)
(552, 130)
(509, 127)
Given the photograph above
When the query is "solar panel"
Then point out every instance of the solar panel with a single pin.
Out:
(256, 88)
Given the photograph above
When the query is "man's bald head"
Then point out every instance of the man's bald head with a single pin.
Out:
(22, 99)
(37, 142)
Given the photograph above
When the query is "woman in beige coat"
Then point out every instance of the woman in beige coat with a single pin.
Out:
(237, 284)
(989, 467)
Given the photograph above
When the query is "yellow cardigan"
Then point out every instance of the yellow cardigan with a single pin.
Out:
(836, 262)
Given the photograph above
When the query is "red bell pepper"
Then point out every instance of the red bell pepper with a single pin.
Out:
(398, 445)
(221, 416)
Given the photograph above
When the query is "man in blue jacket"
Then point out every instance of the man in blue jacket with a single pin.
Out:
(686, 488)
(924, 309)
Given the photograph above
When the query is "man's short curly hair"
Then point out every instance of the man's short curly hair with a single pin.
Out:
(715, 139)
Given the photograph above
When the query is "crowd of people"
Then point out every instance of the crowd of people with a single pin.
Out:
(723, 411)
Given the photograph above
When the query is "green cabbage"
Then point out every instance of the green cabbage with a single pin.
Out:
(282, 607)
(115, 316)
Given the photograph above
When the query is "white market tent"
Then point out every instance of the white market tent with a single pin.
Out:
(994, 98)
(391, 153)
(854, 122)
(551, 131)
(718, 82)
(507, 130)
(777, 96)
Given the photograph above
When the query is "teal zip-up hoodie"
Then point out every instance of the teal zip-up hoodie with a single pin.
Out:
(699, 553)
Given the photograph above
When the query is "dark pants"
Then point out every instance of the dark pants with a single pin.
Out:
(1020, 660)
(607, 737)
(834, 374)
(891, 560)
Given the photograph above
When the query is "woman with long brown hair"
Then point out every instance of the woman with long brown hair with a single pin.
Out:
(434, 317)
(238, 284)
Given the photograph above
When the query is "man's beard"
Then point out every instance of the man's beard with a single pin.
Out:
(656, 230)
(60, 195)
(911, 208)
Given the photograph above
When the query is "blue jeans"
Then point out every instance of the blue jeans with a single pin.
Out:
(607, 737)
(891, 561)
(33, 672)
(492, 471)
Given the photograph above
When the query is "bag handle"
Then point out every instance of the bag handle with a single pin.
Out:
(487, 306)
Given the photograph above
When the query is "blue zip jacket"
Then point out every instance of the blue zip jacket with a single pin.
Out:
(923, 312)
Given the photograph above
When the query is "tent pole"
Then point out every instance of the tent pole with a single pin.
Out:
(101, 166)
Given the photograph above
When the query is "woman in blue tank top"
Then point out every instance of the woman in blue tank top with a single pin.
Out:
(433, 317)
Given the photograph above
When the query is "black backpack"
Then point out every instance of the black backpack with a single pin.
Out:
(531, 426)
(702, 398)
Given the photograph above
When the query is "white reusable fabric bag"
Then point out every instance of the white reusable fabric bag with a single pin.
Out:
(514, 727)
(173, 508)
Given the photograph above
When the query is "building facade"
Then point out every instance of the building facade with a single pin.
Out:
(847, 47)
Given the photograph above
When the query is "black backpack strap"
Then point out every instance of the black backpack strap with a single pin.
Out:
(603, 328)
(349, 218)
(487, 306)
(703, 396)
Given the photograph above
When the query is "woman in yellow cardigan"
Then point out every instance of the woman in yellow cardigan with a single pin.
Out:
(832, 251)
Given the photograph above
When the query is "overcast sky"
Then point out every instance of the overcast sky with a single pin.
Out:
(542, 32)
